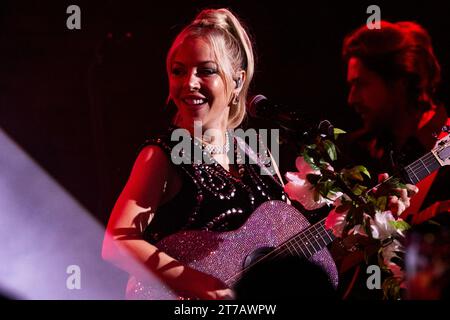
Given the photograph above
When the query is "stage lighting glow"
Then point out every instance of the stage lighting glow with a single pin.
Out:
(50, 246)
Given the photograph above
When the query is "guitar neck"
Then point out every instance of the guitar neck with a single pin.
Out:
(316, 237)
(308, 242)
(421, 168)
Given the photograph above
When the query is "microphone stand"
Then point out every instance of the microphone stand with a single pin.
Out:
(299, 131)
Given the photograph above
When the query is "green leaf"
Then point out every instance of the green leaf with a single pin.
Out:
(400, 225)
(381, 203)
(323, 187)
(309, 160)
(352, 174)
(335, 189)
(356, 173)
(359, 189)
(363, 170)
(394, 183)
(371, 199)
(330, 148)
(337, 132)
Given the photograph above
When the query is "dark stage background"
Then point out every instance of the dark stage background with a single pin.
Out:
(81, 102)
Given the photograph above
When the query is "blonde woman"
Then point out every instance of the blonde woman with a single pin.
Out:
(210, 66)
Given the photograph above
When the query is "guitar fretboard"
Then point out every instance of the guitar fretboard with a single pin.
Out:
(316, 237)
(310, 241)
(421, 168)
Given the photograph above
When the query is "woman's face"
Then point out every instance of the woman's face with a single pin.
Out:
(196, 86)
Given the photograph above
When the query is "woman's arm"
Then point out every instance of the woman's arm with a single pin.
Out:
(132, 212)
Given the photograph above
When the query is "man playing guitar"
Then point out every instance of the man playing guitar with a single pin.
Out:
(393, 75)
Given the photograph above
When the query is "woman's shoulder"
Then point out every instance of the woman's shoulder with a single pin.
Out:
(166, 139)
(151, 164)
(152, 153)
(155, 151)
(154, 159)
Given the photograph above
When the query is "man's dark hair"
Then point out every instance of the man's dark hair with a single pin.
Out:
(401, 50)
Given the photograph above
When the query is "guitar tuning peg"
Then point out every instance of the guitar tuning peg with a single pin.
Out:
(434, 135)
(446, 129)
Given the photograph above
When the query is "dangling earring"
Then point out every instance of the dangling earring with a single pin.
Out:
(235, 100)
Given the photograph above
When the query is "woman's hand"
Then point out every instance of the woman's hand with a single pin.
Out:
(198, 285)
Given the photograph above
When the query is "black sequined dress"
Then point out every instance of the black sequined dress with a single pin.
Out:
(211, 198)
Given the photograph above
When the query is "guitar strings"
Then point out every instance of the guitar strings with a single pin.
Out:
(420, 164)
(284, 247)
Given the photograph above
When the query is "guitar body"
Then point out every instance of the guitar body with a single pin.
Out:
(222, 254)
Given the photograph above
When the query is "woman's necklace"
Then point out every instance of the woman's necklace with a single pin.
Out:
(216, 149)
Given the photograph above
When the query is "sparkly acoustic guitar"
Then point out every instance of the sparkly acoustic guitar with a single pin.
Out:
(274, 224)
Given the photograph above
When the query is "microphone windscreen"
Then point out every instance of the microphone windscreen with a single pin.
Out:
(253, 104)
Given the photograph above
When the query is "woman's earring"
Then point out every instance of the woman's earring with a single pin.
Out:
(238, 83)
(235, 100)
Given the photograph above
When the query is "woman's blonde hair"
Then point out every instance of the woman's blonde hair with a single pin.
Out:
(232, 50)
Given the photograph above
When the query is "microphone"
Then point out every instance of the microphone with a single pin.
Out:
(287, 117)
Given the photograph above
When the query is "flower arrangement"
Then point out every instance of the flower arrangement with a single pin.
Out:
(358, 210)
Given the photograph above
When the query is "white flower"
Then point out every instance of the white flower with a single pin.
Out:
(382, 229)
(358, 229)
(300, 189)
(381, 226)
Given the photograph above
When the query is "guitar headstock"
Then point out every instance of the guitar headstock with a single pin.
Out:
(442, 151)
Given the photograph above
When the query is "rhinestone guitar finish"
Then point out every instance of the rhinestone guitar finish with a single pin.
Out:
(221, 254)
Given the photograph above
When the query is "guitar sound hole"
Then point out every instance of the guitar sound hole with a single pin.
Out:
(256, 255)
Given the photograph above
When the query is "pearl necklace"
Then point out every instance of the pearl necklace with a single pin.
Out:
(215, 149)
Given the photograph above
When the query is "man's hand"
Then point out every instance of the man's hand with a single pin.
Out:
(398, 204)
